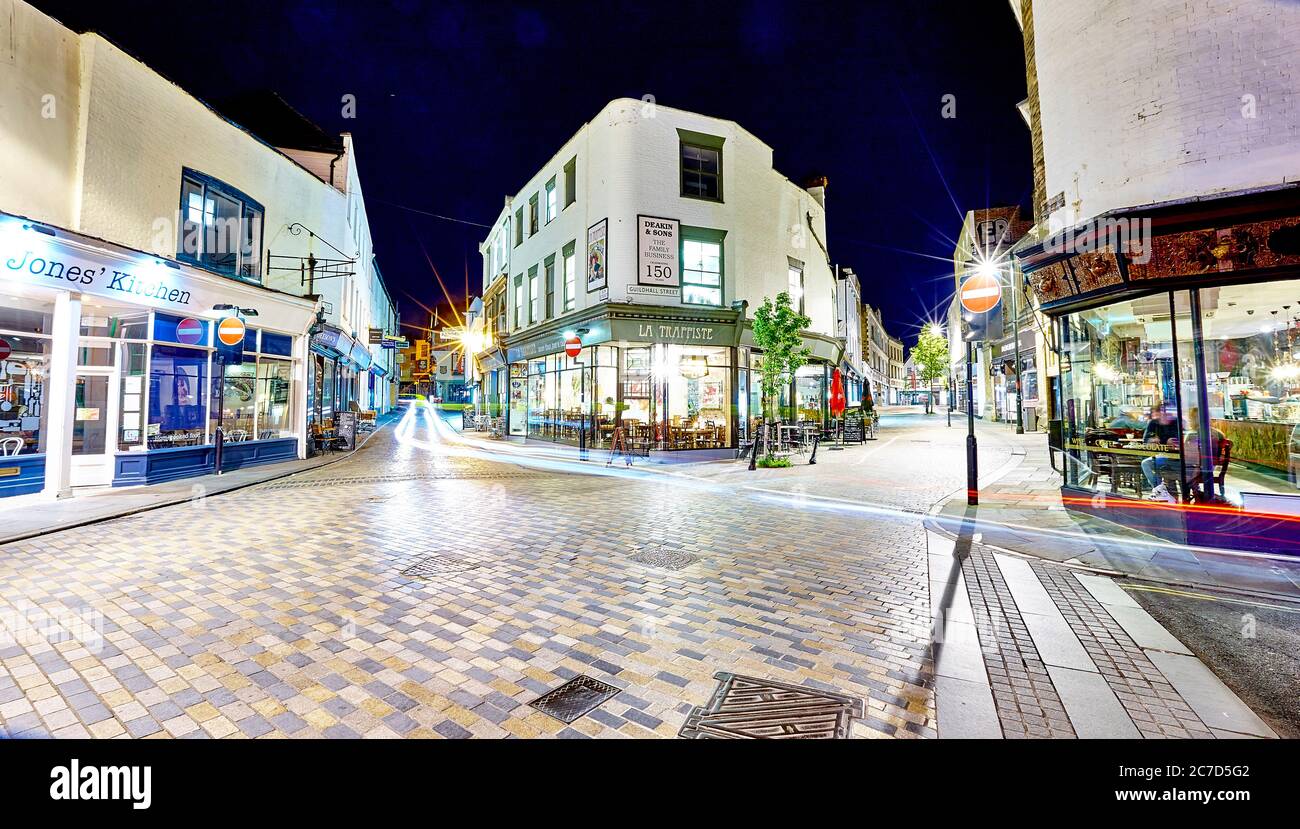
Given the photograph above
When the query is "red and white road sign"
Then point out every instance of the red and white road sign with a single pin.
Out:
(189, 331)
(981, 293)
(5, 350)
(573, 346)
(231, 331)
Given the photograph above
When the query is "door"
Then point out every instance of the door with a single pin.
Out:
(94, 427)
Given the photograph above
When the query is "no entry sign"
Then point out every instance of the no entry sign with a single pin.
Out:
(981, 293)
(189, 331)
(573, 346)
(231, 331)
(5, 350)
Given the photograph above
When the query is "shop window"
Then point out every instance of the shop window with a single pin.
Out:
(1250, 336)
(811, 393)
(701, 270)
(194, 332)
(132, 391)
(178, 387)
(696, 388)
(221, 228)
(280, 345)
(274, 399)
(24, 377)
(701, 165)
(115, 323)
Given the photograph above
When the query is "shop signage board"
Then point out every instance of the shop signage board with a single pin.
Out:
(345, 427)
(376, 336)
(658, 252)
(853, 426)
(33, 258)
(598, 256)
(654, 292)
(673, 332)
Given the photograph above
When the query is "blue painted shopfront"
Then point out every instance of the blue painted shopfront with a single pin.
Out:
(21, 474)
(161, 465)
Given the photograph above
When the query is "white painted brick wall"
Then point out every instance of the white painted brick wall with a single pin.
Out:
(1142, 99)
(628, 165)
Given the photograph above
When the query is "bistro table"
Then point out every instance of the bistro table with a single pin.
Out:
(1121, 459)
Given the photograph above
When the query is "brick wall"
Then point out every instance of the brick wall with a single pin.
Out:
(1142, 102)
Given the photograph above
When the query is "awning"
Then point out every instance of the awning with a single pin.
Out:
(331, 341)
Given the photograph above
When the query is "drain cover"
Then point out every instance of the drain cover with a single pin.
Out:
(749, 708)
(664, 557)
(574, 698)
(431, 566)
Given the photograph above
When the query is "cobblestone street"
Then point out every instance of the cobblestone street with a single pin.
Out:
(427, 588)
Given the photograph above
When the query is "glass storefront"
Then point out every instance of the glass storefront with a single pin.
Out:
(1143, 380)
(24, 375)
(672, 397)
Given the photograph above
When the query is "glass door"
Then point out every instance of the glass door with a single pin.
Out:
(94, 423)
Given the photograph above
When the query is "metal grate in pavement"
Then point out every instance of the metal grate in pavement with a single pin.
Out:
(750, 708)
(666, 557)
(575, 698)
(431, 566)
(1146, 694)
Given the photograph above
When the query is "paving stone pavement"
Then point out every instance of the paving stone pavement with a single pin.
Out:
(426, 589)
(281, 611)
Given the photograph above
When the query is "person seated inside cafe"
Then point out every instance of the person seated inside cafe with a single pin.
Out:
(1161, 430)
(1192, 445)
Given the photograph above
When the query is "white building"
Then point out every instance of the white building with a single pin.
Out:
(875, 353)
(651, 237)
(133, 218)
(848, 327)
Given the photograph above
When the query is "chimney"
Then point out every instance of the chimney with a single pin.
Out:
(816, 185)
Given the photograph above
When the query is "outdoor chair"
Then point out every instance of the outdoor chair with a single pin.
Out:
(10, 447)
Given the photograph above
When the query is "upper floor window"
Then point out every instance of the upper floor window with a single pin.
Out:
(550, 286)
(519, 301)
(701, 267)
(571, 181)
(701, 164)
(532, 215)
(519, 227)
(221, 228)
(552, 200)
(534, 296)
(570, 277)
(795, 280)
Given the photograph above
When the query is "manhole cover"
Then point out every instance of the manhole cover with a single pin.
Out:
(431, 566)
(749, 708)
(665, 557)
(574, 698)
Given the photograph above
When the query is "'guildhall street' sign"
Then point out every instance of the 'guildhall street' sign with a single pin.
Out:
(598, 255)
(658, 255)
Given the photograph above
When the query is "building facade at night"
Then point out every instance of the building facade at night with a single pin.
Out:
(647, 241)
(1171, 271)
(875, 353)
(133, 218)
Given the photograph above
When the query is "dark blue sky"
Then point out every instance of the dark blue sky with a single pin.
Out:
(459, 102)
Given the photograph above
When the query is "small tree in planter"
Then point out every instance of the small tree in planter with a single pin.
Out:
(776, 333)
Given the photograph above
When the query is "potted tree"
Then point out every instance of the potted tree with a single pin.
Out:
(776, 333)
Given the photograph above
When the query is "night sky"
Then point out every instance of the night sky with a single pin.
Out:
(459, 103)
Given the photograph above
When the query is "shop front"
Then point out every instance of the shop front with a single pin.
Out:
(1203, 339)
(108, 369)
(665, 379)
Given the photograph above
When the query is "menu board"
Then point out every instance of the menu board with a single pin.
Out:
(345, 428)
(854, 429)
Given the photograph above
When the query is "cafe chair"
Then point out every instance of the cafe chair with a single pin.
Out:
(10, 447)
(1219, 471)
